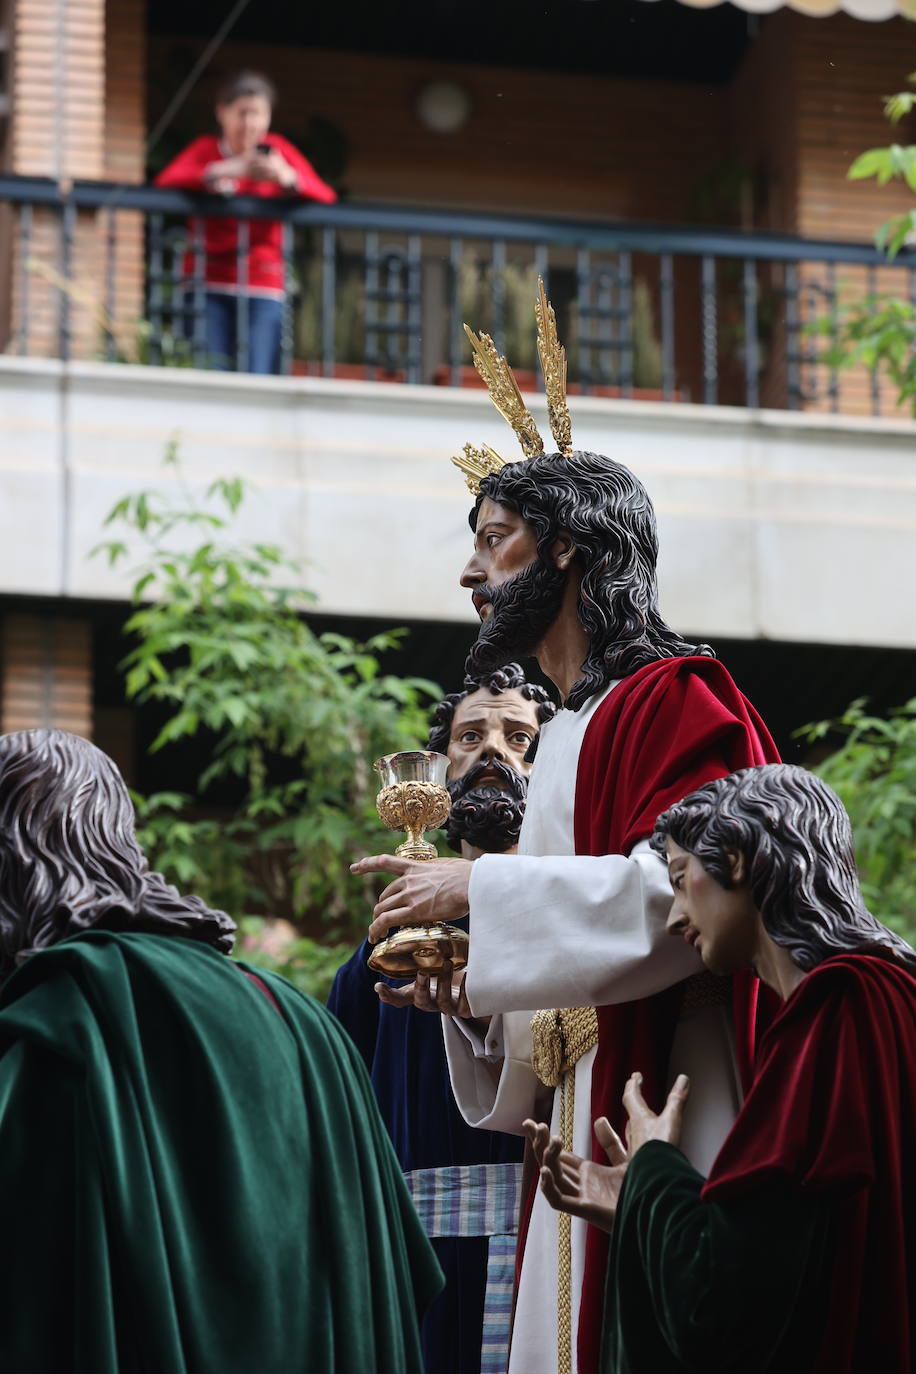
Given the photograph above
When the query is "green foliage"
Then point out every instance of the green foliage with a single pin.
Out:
(874, 774)
(309, 964)
(293, 718)
(879, 332)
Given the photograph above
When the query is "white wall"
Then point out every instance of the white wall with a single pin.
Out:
(771, 524)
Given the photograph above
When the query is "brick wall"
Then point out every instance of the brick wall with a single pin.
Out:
(45, 673)
(844, 69)
(125, 157)
(77, 94)
(539, 143)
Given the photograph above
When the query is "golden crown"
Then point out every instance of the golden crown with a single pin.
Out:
(477, 463)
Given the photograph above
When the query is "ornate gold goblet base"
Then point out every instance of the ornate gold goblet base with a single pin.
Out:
(414, 797)
(420, 949)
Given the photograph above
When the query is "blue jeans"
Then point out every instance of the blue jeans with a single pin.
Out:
(221, 313)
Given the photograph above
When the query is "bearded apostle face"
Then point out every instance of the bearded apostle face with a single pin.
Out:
(490, 735)
(516, 593)
(722, 923)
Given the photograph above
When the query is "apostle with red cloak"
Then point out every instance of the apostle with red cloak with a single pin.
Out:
(570, 972)
(798, 1251)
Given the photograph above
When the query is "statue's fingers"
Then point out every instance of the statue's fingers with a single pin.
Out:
(610, 1141)
(463, 1007)
(445, 998)
(539, 1136)
(559, 1201)
(673, 1112)
(380, 927)
(395, 997)
(380, 863)
(423, 994)
(633, 1099)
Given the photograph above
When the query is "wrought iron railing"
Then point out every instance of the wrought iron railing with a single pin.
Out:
(716, 317)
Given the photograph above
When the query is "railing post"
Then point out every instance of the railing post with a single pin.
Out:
(751, 351)
(286, 319)
(710, 331)
(242, 300)
(666, 284)
(25, 248)
(67, 238)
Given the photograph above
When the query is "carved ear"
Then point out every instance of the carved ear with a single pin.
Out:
(563, 550)
(737, 867)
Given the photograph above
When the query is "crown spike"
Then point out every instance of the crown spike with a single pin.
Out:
(552, 355)
(478, 463)
(504, 393)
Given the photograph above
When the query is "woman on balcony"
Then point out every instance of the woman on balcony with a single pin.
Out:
(242, 291)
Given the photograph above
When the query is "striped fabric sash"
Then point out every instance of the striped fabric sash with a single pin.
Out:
(467, 1199)
(478, 1200)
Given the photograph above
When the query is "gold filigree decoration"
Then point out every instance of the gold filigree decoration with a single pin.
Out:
(414, 807)
(478, 463)
(553, 365)
(423, 805)
(504, 393)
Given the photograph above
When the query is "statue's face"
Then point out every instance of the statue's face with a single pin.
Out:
(722, 924)
(504, 545)
(492, 729)
(488, 777)
(517, 595)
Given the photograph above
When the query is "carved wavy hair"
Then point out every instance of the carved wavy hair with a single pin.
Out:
(69, 857)
(608, 514)
(511, 678)
(796, 840)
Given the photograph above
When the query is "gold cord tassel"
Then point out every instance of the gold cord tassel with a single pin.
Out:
(564, 1236)
(559, 1038)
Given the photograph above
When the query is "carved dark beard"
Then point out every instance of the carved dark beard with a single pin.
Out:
(524, 608)
(488, 815)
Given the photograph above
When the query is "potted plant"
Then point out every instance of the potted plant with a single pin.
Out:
(349, 327)
(477, 288)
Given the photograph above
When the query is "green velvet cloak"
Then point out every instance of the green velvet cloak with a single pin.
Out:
(193, 1180)
(714, 1289)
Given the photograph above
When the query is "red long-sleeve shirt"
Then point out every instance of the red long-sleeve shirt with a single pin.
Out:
(264, 273)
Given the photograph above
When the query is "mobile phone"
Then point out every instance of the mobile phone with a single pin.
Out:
(263, 148)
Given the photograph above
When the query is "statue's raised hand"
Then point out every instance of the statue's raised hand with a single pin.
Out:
(424, 891)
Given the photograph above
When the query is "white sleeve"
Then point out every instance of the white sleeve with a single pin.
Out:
(496, 1094)
(553, 932)
(571, 931)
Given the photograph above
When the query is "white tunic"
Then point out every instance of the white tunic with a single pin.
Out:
(567, 931)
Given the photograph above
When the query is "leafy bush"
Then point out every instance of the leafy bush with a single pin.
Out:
(295, 718)
(879, 331)
(874, 774)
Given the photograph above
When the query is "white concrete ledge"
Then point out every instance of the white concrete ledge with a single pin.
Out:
(783, 525)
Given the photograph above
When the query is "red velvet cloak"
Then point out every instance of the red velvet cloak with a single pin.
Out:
(662, 732)
(833, 1110)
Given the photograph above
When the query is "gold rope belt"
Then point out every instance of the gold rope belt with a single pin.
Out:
(558, 1041)
(559, 1038)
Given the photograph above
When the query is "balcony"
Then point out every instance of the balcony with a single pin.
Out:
(375, 293)
(688, 350)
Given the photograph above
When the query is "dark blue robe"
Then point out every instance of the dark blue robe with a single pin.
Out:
(405, 1055)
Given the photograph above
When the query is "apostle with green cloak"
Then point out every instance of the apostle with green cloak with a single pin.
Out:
(194, 1178)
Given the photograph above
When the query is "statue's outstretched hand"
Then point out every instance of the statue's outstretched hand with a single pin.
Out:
(429, 993)
(643, 1124)
(579, 1186)
(423, 891)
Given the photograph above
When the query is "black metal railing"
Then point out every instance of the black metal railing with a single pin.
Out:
(716, 317)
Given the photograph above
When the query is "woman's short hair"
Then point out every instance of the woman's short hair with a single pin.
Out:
(243, 85)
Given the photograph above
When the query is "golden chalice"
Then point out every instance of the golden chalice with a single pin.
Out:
(414, 798)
